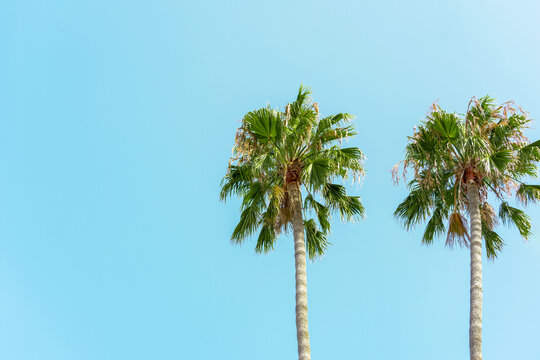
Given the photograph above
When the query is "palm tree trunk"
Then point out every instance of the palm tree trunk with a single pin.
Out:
(475, 320)
(302, 333)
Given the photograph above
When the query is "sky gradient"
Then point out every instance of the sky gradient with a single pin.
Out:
(116, 125)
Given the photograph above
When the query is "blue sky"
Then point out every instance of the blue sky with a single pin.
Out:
(116, 125)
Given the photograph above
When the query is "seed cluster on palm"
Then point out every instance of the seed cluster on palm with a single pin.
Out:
(286, 167)
(462, 165)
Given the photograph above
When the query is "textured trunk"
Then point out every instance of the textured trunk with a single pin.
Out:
(475, 320)
(302, 333)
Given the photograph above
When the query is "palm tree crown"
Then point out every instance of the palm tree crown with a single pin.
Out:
(274, 149)
(485, 147)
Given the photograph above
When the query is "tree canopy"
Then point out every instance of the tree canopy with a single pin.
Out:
(487, 145)
(275, 148)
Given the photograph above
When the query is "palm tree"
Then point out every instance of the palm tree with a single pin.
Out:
(276, 155)
(458, 164)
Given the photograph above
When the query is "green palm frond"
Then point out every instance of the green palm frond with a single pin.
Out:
(264, 124)
(528, 193)
(254, 196)
(445, 125)
(330, 123)
(316, 241)
(322, 212)
(415, 208)
(316, 172)
(267, 238)
(494, 243)
(336, 198)
(236, 181)
(345, 162)
(513, 216)
(337, 134)
(501, 159)
(297, 108)
(248, 224)
(535, 144)
(435, 225)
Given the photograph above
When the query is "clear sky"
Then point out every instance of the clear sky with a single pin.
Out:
(116, 123)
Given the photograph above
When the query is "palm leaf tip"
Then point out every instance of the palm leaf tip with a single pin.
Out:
(322, 212)
(249, 221)
(435, 225)
(494, 243)
(528, 193)
(266, 239)
(353, 210)
(349, 207)
(414, 209)
(534, 144)
(316, 241)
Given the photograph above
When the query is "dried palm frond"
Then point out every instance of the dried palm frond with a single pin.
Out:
(457, 231)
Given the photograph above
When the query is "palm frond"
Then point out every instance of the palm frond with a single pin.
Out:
(528, 193)
(494, 243)
(501, 159)
(435, 225)
(265, 124)
(316, 172)
(329, 122)
(236, 181)
(513, 216)
(446, 125)
(534, 144)
(349, 207)
(254, 196)
(337, 134)
(249, 222)
(266, 240)
(316, 242)
(415, 208)
(322, 212)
